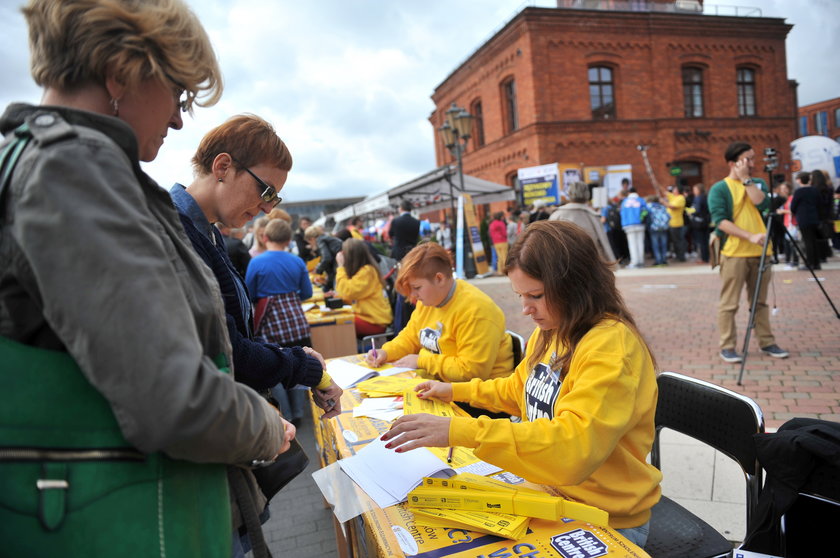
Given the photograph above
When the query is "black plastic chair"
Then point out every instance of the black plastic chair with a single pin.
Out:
(724, 420)
(518, 347)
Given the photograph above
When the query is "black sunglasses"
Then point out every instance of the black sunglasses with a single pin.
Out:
(267, 193)
(178, 92)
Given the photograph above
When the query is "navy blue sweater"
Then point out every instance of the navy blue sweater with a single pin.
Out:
(257, 364)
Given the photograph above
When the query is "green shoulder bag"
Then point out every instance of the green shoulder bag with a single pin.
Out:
(71, 485)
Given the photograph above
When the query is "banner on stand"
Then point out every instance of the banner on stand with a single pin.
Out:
(481, 266)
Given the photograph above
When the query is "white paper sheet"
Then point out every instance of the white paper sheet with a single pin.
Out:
(346, 374)
(382, 408)
(387, 476)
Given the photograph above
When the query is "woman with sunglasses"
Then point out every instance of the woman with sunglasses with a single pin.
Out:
(240, 166)
(112, 333)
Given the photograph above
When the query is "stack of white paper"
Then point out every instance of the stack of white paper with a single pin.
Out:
(387, 476)
(382, 408)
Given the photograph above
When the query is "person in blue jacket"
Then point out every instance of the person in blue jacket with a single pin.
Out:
(633, 213)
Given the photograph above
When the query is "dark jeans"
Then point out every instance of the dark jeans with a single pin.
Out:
(701, 242)
(810, 239)
(678, 240)
(791, 255)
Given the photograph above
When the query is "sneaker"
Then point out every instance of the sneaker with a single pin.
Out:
(775, 351)
(729, 355)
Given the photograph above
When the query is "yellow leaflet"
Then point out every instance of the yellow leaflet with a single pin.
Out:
(508, 526)
(375, 394)
(413, 405)
(470, 481)
(515, 503)
(392, 385)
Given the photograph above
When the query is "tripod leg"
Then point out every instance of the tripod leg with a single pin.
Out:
(811, 270)
(753, 308)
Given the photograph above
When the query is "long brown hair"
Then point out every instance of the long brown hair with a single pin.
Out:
(357, 256)
(579, 285)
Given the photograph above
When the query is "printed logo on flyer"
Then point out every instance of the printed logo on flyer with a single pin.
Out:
(579, 543)
(541, 389)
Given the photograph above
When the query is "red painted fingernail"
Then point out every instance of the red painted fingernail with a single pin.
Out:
(399, 450)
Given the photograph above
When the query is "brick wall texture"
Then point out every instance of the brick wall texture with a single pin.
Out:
(548, 53)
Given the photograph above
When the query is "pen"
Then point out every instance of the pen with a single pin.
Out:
(449, 455)
(373, 348)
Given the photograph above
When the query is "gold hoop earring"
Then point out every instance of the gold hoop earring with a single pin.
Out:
(115, 103)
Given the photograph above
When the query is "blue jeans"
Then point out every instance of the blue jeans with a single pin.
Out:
(636, 535)
(659, 245)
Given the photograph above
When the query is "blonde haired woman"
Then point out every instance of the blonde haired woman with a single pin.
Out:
(105, 302)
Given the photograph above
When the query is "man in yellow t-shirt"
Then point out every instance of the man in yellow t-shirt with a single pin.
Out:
(735, 204)
(674, 200)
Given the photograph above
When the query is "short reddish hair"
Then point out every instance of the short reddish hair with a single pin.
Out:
(423, 262)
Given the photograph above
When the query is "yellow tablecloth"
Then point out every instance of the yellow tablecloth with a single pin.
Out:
(394, 531)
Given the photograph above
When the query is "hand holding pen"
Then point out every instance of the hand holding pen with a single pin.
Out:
(376, 358)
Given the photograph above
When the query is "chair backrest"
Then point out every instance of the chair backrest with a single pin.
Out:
(719, 417)
(518, 343)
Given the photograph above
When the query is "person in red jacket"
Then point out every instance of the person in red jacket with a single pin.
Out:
(498, 236)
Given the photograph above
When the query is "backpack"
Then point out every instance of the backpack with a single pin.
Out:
(660, 219)
(613, 217)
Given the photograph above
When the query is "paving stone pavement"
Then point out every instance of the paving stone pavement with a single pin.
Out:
(675, 308)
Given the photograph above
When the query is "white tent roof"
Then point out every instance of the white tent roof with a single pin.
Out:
(429, 192)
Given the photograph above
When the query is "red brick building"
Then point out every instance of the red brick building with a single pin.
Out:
(588, 81)
(820, 119)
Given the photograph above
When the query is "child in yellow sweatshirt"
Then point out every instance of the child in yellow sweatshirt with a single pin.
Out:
(359, 282)
(455, 333)
(586, 390)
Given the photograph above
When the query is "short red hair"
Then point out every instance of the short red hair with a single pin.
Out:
(423, 262)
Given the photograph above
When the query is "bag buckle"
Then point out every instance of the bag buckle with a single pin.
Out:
(48, 484)
(52, 495)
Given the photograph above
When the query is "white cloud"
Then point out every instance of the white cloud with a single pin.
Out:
(348, 84)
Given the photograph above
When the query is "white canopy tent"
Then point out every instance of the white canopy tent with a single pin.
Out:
(432, 191)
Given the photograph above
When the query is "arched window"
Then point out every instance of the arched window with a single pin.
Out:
(512, 180)
(511, 116)
(692, 79)
(478, 123)
(601, 92)
(746, 92)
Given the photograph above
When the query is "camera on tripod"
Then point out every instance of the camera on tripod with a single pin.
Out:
(771, 159)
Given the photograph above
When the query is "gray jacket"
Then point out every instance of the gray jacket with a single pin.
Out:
(590, 221)
(95, 262)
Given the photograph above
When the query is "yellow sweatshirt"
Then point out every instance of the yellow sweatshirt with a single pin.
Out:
(464, 339)
(587, 436)
(365, 292)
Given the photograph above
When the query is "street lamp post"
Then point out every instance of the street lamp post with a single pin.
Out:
(455, 132)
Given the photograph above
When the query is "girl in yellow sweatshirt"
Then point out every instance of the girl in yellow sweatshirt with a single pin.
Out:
(586, 390)
(359, 282)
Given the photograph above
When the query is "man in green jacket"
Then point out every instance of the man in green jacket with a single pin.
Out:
(735, 204)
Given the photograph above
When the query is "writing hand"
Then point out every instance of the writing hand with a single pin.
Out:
(376, 358)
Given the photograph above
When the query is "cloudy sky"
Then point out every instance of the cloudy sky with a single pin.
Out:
(347, 83)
